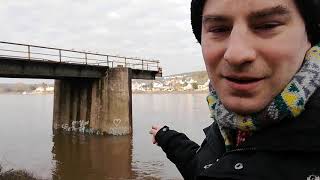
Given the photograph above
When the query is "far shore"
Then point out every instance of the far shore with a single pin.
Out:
(19, 93)
(170, 92)
(133, 92)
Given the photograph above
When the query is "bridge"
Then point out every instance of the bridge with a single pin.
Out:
(92, 91)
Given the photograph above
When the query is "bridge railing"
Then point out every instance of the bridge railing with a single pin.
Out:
(56, 55)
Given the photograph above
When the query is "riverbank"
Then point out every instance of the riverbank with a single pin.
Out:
(19, 93)
(140, 92)
(170, 92)
(16, 175)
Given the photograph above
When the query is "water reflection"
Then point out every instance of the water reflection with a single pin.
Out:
(27, 140)
(91, 157)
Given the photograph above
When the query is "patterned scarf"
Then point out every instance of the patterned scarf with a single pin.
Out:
(290, 102)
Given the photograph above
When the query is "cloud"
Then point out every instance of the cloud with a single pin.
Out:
(136, 28)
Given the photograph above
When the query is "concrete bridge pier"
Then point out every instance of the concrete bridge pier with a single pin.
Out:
(97, 106)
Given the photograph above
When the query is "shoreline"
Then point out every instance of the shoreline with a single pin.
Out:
(18, 93)
(147, 92)
(172, 92)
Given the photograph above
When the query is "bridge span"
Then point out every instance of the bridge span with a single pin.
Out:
(92, 91)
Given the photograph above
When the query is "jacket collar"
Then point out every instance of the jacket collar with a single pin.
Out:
(214, 138)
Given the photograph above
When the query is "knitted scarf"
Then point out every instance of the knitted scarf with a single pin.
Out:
(290, 102)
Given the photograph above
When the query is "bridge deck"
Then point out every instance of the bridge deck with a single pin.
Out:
(29, 61)
(24, 68)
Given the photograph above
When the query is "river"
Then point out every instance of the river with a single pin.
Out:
(28, 142)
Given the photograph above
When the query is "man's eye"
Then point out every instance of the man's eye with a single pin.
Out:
(219, 29)
(267, 26)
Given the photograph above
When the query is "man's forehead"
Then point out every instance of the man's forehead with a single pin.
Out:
(247, 7)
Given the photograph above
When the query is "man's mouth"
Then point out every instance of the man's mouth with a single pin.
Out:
(243, 83)
(243, 80)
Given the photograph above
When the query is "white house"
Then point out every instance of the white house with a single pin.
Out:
(39, 90)
(157, 85)
(205, 86)
(188, 87)
(138, 87)
(49, 89)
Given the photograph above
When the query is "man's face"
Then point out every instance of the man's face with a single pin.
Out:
(252, 49)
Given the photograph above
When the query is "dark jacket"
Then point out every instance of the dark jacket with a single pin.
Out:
(288, 150)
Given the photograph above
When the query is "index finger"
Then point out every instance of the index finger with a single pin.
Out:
(155, 127)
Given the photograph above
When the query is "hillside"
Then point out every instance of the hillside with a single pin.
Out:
(20, 87)
(199, 76)
(190, 81)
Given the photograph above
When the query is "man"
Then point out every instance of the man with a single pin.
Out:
(264, 66)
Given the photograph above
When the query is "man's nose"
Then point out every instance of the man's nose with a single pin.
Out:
(239, 49)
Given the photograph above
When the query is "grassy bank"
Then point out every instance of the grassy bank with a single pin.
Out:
(16, 175)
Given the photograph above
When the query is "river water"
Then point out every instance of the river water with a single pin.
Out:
(28, 142)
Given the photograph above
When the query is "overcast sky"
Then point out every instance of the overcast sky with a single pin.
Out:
(151, 29)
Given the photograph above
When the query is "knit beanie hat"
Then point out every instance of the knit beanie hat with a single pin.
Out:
(309, 10)
(196, 17)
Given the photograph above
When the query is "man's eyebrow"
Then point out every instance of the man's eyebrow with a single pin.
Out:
(214, 18)
(255, 15)
(268, 12)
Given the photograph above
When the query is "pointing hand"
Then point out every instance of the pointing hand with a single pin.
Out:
(153, 132)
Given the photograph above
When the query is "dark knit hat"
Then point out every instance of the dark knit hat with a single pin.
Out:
(309, 10)
(196, 17)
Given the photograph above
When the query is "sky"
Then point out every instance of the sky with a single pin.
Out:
(149, 29)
